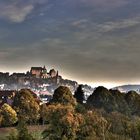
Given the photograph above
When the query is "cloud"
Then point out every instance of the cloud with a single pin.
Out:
(122, 24)
(106, 3)
(101, 5)
(16, 14)
(87, 27)
(86, 48)
(17, 11)
(106, 59)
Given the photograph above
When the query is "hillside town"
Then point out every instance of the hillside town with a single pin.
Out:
(39, 80)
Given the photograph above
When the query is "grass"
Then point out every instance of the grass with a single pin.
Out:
(5, 132)
(36, 131)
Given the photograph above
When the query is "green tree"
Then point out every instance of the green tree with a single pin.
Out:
(120, 123)
(133, 100)
(79, 94)
(102, 98)
(21, 134)
(137, 129)
(8, 115)
(43, 113)
(120, 102)
(26, 106)
(63, 96)
(80, 108)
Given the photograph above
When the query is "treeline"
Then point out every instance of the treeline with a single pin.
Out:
(114, 100)
(107, 115)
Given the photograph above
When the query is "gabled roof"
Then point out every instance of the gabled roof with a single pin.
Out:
(19, 74)
(6, 92)
(36, 68)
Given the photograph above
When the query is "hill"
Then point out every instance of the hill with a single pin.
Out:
(127, 88)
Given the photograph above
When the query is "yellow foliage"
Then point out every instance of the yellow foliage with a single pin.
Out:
(9, 115)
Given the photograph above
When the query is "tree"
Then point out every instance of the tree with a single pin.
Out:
(136, 130)
(8, 115)
(133, 101)
(63, 122)
(121, 104)
(1, 117)
(120, 123)
(102, 98)
(94, 127)
(21, 134)
(63, 96)
(26, 106)
(43, 113)
(79, 94)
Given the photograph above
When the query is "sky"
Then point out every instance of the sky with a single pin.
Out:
(91, 41)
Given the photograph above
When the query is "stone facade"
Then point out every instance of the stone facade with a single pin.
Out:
(41, 72)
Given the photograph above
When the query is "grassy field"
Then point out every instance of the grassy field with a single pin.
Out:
(35, 130)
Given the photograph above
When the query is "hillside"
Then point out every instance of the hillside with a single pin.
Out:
(127, 88)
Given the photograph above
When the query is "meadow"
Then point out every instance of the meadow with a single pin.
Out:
(35, 130)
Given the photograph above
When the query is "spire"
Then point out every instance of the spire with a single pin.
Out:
(57, 74)
(44, 67)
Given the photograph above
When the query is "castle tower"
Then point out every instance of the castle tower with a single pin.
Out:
(44, 73)
(44, 67)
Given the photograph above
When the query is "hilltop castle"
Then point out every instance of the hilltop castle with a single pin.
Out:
(41, 72)
(36, 75)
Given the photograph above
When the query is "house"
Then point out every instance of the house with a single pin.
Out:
(7, 96)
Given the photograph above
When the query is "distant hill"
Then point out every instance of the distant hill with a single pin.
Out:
(127, 88)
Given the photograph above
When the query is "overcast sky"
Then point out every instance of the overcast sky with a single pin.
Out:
(91, 41)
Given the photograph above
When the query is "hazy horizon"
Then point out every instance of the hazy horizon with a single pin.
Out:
(94, 42)
(92, 84)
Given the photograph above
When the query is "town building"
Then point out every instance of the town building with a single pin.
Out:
(39, 72)
(53, 73)
(7, 96)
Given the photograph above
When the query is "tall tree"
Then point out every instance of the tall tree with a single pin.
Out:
(121, 104)
(63, 121)
(63, 96)
(79, 94)
(102, 98)
(133, 101)
(26, 106)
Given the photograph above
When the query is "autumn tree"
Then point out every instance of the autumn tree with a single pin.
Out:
(63, 96)
(94, 127)
(79, 94)
(63, 121)
(26, 106)
(8, 115)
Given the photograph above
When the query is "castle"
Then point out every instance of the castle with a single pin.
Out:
(36, 75)
(41, 72)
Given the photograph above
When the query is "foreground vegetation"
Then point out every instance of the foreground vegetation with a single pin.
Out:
(107, 115)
